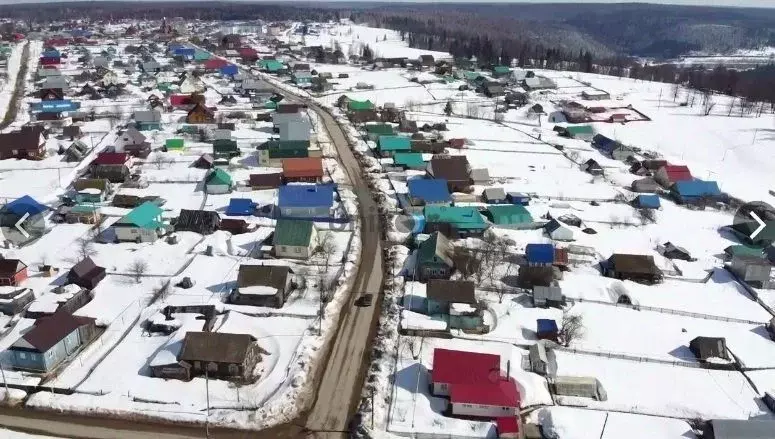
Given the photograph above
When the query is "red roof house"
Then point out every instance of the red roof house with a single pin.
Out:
(508, 428)
(180, 100)
(111, 159)
(215, 63)
(12, 272)
(303, 169)
(474, 384)
(669, 174)
(248, 53)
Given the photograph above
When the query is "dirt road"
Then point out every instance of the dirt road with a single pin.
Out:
(344, 365)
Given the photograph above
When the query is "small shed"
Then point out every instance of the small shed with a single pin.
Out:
(707, 348)
(645, 185)
(494, 195)
(241, 207)
(546, 329)
(583, 387)
(558, 231)
(646, 202)
(550, 296)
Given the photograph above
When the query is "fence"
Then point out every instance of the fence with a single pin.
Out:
(668, 311)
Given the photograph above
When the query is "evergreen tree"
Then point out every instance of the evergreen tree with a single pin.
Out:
(448, 108)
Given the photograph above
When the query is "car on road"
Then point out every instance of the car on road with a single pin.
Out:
(365, 300)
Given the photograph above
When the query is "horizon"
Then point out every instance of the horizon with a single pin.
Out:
(760, 4)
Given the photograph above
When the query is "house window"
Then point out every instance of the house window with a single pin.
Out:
(197, 365)
(233, 369)
(284, 248)
(297, 250)
(22, 355)
(212, 367)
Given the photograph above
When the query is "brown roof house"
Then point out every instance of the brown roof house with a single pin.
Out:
(204, 222)
(454, 169)
(86, 274)
(27, 143)
(303, 169)
(262, 285)
(222, 355)
(456, 301)
(271, 180)
(50, 341)
(200, 114)
(638, 268)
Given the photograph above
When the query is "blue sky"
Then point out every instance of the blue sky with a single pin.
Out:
(741, 3)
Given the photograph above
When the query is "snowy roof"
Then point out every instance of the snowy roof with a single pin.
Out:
(417, 321)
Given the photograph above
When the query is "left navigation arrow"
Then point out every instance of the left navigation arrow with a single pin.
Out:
(18, 225)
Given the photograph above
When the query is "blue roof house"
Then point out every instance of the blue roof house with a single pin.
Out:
(650, 201)
(539, 254)
(241, 207)
(426, 191)
(34, 224)
(695, 191)
(306, 201)
(229, 70)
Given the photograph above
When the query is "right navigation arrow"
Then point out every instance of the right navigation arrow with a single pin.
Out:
(761, 227)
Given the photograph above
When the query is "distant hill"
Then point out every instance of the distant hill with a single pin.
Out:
(604, 30)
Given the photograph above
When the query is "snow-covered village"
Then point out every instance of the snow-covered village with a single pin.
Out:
(311, 229)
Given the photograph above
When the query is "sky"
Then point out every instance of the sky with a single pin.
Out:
(739, 3)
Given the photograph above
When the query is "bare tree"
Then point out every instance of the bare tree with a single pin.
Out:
(707, 102)
(647, 216)
(138, 268)
(572, 328)
(85, 247)
(326, 292)
(326, 247)
(472, 110)
(676, 91)
(498, 117)
(159, 160)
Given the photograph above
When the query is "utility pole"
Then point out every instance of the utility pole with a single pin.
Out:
(207, 398)
(8, 394)
(372, 408)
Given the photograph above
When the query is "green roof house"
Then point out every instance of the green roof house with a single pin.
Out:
(500, 71)
(270, 65)
(409, 160)
(581, 132)
(272, 153)
(389, 145)
(165, 87)
(510, 216)
(455, 220)
(434, 258)
(744, 250)
(294, 239)
(142, 224)
(225, 149)
(218, 181)
(373, 131)
(353, 105)
(174, 144)
(201, 55)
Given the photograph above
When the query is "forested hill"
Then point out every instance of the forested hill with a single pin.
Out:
(603, 30)
(662, 31)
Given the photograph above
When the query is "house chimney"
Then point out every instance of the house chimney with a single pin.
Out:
(508, 370)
